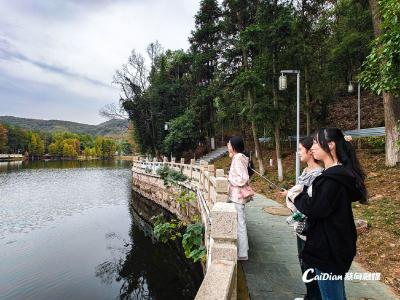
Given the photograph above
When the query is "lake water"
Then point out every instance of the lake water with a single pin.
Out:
(68, 231)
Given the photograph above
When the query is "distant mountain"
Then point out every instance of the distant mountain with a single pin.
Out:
(108, 128)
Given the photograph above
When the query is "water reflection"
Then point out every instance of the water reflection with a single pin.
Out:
(68, 231)
(149, 270)
(61, 164)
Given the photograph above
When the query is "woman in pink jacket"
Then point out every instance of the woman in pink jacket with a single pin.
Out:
(238, 179)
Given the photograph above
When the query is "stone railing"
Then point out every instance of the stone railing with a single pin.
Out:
(218, 217)
(11, 156)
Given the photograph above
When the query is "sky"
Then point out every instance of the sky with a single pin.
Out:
(58, 57)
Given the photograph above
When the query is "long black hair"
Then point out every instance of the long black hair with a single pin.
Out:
(307, 143)
(237, 144)
(345, 153)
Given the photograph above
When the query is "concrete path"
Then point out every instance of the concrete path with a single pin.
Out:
(273, 271)
(213, 155)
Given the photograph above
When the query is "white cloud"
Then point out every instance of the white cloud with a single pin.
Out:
(88, 39)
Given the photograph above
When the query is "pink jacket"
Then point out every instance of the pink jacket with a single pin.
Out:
(238, 177)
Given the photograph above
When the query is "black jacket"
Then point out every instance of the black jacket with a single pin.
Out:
(331, 239)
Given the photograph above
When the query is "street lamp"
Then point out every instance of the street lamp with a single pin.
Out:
(282, 82)
(350, 89)
(283, 86)
(166, 126)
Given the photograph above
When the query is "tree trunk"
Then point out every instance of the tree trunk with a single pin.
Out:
(391, 106)
(153, 138)
(307, 92)
(390, 103)
(376, 19)
(256, 141)
(276, 125)
(257, 147)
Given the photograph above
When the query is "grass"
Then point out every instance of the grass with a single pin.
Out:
(378, 249)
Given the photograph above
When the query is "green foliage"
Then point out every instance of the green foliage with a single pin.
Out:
(35, 144)
(124, 148)
(352, 32)
(154, 97)
(89, 152)
(196, 219)
(228, 77)
(59, 144)
(105, 148)
(382, 67)
(53, 149)
(69, 151)
(165, 231)
(17, 139)
(375, 142)
(170, 176)
(192, 242)
(3, 138)
(185, 197)
(183, 134)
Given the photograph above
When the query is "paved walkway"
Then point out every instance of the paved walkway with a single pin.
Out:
(273, 271)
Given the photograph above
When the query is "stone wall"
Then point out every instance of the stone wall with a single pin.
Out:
(152, 187)
(218, 217)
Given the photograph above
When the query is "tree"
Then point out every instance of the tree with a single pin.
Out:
(53, 149)
(17, 139)
(3, 138)
(69, 151)
(35, 144)
(205, 42)
(382, 70)
(108, 148)
(112, 111)
(239, 16)
(98, 146)
(183, 134)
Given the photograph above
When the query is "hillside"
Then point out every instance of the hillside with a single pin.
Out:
(342, 113)
(108, 128)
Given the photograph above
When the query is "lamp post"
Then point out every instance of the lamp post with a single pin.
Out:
(350, 89)
(283, 86)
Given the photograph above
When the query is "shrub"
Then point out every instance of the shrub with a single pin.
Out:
(170, 176)
(192, 242)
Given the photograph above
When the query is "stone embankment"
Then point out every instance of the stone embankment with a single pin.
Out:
(218, 217)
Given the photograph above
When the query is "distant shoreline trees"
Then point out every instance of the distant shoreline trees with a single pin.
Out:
(60, 145)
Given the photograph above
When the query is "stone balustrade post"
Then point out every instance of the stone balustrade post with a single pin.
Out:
(224, 237)
(192, 162)
(182, 164)
(211, 173)
(165, 159)
(173, 160)
(221, 186)
(203, 168)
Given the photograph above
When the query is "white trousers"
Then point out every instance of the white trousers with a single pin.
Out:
(242, 240)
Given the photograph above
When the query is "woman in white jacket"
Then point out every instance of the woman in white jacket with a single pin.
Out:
(238, 179)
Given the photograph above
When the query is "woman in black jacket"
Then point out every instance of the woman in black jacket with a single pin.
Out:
(331, 239)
